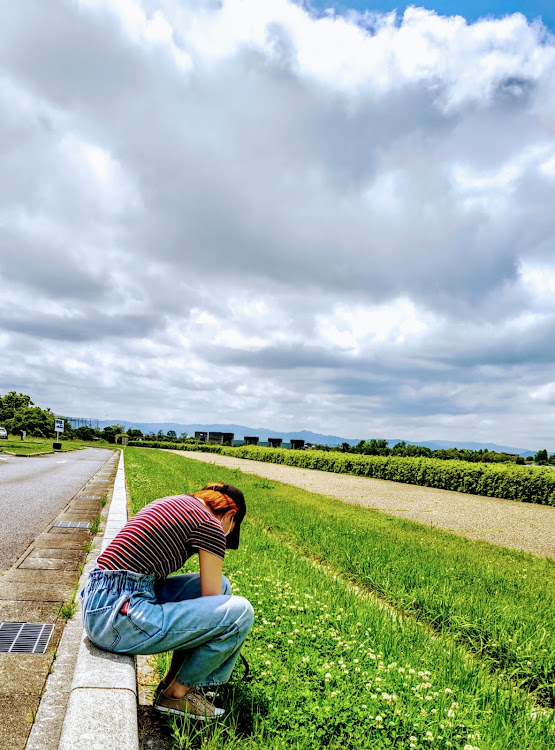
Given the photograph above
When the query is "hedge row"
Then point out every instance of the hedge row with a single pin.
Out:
(175, 446)
(523, 483)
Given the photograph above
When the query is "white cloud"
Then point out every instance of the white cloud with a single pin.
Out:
(244, 211)
(357, 328)
(539, 282)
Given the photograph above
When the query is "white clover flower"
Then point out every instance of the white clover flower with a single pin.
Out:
(378, 719)
(327, 676)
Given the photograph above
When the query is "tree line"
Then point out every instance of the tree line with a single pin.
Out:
(18, 412)
(380, 447)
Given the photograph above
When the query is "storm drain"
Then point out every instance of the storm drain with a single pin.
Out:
(24, 637)
(73, 524)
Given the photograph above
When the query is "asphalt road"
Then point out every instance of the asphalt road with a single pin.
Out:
(34, 490)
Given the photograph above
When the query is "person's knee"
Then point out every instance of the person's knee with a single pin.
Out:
(244, 613)
(226, 586)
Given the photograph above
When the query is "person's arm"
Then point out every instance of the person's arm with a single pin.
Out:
(210, 573)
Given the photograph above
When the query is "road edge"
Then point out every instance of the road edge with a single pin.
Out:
(101, 711)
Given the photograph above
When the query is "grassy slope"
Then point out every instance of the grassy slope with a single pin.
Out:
(277, 714)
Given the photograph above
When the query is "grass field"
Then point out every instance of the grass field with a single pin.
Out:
(14, 444)
(456, 653)
(507, 480)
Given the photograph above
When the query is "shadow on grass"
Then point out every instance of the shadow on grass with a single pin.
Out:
(244, 708)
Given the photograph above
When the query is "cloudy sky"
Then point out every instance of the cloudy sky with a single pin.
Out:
(282, 214)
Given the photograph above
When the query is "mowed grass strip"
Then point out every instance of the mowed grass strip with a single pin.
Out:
(332, 669)
(498, 603)
(44, 445)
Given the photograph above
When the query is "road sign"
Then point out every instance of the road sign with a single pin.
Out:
(58, 425)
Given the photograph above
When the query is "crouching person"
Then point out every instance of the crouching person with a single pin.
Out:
(131, 606)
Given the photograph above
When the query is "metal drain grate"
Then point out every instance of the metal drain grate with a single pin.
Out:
(73, 524)
(24, 637)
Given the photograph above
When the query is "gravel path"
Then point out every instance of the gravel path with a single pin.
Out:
(522, 526)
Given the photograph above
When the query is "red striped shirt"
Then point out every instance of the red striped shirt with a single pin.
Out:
(163, 534)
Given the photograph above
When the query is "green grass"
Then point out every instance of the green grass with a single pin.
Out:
(499, 603)
(14, 444)
(507, 480)
(318, 625)
(68, 609)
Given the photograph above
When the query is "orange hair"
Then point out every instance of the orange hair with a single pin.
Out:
(217, 501)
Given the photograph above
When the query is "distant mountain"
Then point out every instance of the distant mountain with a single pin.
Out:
(240, 431)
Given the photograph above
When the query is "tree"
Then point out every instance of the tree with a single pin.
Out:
(86, 433)
(541, 457)
(373, 447)
(109, 433)
(399, 449)
(34, 420)
(133, 433)
(11, 403)
(172, 434)
(183, 435)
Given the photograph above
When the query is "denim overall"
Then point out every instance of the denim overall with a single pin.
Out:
(132, 613)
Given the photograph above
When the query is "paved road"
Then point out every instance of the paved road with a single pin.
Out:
(34, 490)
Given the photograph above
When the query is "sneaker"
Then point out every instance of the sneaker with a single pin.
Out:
(193, 704)
(162, 685)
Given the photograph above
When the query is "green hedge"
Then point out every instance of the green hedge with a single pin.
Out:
(175, 446)
(509, 481)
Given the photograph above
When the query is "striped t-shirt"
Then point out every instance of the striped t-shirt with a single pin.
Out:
(162, 536)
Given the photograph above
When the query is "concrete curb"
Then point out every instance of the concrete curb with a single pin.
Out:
(101, 711)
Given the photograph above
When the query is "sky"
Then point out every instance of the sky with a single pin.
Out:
(471, 10)
(281, 215)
